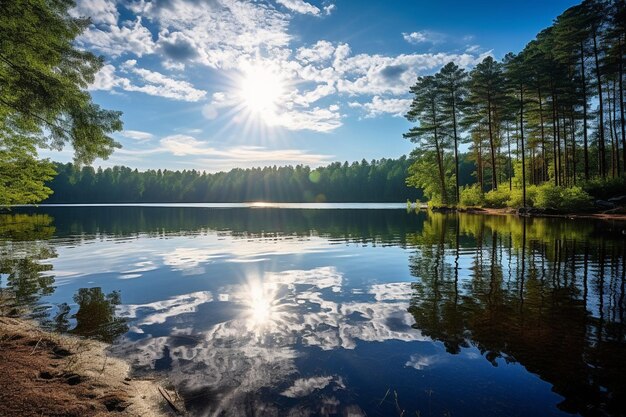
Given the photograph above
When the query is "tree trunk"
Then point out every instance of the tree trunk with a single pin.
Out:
(442, 177)
(602, 151)
(521, 122)
(544, 166)
(573, 133)
(456, 149)
(494, 181)
(508, 140)
(565, 153)
(554, 139)
(559, 162)
(584, 92)
(611, 136)
(621, 99)
(614, 128)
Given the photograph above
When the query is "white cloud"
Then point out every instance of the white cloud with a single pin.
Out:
(415, 37)
(329, 9)
(299, 6)
(223, 31)
(396, 107)
(105, 79)
(228, 35)
(145, 81)
(320, 52)
(113, 40)
(424, 36)
(185, 145)
(137, 135)
(100, 11)
(317, 119)
(157, 84)
(219, 101)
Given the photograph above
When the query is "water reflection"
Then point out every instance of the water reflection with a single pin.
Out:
(23, 251)
(346, 312)
(95, 317)
(552, 300)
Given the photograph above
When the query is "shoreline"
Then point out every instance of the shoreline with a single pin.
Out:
(512, 212)
(48, 373)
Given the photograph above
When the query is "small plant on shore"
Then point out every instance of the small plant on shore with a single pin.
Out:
(575, 199)
(516, 200)
(550, 196)
(604, 189)
(471, 196)
(497, 198)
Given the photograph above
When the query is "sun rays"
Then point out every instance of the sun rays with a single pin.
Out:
(261, 88)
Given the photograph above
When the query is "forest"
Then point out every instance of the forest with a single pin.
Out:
(542, 125)
(376, 181)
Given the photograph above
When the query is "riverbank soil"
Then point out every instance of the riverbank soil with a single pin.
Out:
(47, 374)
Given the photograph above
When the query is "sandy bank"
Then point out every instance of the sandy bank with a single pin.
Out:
(48, 374)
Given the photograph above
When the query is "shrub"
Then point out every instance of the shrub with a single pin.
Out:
(604, 189)
(515, 200)
(497, 198)
(575, 199)
(471, 196)
(550, 196)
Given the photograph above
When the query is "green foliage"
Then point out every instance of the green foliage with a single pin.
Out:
(545, 107)
(550, 196)
(43, 96)
(603, 189)
(424, 175)
(375, 181)
(22, 175)
(471, 196)
(497, 198)
(516, 199)
(575, 199)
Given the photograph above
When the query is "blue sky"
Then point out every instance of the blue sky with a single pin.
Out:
(218, 84)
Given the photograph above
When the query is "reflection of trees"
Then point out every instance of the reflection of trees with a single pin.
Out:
(21, 259)
(539, 292)
(372, 226)
(95, 317)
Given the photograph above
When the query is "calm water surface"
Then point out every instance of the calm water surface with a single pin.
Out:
(352, 311)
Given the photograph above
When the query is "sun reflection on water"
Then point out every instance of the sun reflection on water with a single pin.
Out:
(264, 311)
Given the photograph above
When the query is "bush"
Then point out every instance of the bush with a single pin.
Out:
(603, 189)
(497, 198)
(550, 196)
(471, 196)
(575, 199)
(516, 199)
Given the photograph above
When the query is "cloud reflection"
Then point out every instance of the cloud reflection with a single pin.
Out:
(269, 321)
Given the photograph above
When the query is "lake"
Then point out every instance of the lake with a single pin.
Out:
(335, 310)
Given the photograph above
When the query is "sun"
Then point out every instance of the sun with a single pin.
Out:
(261, 89)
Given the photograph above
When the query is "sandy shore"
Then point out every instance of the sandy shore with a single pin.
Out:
(48, 374)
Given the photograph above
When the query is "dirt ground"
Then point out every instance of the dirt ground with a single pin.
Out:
(600, 216)
(46, 374)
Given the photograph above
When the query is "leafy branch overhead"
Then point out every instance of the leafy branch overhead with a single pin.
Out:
(43, 98)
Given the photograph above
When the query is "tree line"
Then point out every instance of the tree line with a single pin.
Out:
(376, 181)
(553, 113)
